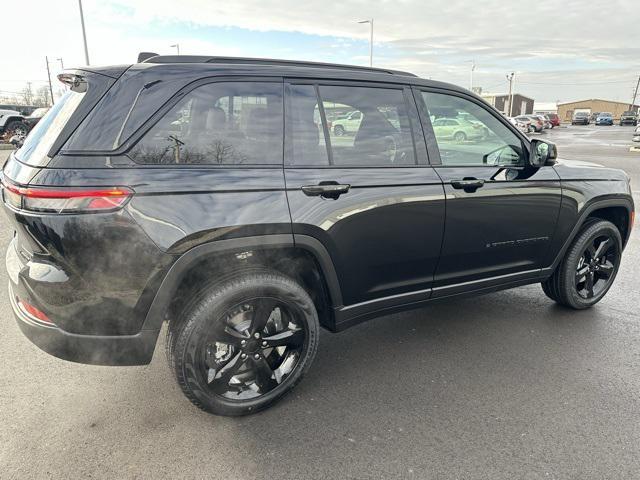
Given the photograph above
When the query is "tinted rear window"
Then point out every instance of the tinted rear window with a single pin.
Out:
(218, 124)
(135, 97)
(44, 134)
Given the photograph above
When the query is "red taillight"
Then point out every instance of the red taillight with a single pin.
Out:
(65, 200)
(632, 218)
(34, 312)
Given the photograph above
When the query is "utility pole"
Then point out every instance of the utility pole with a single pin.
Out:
(635, 94)
(473, 67)
(510, 78)
(370, 22)
(49, 77)
(84, 34)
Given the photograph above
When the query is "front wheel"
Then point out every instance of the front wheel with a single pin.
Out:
(459, 137)
(245, 343)
(16, 127)
(589, 267)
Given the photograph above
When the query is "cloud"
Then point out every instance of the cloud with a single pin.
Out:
(576, 41)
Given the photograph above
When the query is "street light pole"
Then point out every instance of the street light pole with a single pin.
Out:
(84, 33)
(177, 47)
(473, 67)
(61, 63)
(510, 78)
(49, 77)
(370, 22)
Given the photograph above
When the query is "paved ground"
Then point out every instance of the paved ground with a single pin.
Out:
(502, 386)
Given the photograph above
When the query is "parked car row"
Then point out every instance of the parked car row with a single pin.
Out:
(604, 118)
(538, 123)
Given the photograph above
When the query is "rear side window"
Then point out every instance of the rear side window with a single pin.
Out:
(366, 127)
(227, 123)
(44, 134)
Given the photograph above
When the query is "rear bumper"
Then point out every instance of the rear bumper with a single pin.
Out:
(134, 349)
(91, 349)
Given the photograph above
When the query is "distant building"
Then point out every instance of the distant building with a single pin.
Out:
(545, 107)
(521, 105)
(594, 105)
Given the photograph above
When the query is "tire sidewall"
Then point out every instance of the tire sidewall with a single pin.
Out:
(211, 307)
(573, 256)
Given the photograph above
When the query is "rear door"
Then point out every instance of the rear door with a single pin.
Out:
(501, 213)
(368, 196)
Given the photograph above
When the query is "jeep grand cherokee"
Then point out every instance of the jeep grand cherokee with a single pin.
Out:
(211, 194)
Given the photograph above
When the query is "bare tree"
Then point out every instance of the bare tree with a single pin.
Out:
(41, 98)
(27, 94)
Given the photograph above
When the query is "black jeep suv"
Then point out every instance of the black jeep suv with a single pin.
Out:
(212, 194)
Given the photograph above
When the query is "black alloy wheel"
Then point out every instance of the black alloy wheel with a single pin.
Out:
(243, 343)
(251, 349)
(589, 266)
(596, 267)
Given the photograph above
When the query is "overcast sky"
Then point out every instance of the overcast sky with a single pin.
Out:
(559, 49)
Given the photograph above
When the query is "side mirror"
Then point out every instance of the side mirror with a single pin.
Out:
(542, 152)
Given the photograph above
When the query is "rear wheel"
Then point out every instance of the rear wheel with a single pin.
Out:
(589, 268)
(16, 127)
(244, 343)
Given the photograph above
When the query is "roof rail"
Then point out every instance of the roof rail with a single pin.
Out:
(267, 61)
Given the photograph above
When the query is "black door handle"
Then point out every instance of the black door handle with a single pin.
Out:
(325, 189)
(468, 184)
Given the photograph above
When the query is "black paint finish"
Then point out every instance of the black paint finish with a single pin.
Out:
(396, 238)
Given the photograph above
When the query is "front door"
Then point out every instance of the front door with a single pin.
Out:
(501, 214)
(366, 194)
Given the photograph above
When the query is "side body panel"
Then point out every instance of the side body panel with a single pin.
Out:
(503, 228)
(384, 235)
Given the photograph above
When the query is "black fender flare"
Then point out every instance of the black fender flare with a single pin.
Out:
(592, 206)
(156, 314)
(12, 119)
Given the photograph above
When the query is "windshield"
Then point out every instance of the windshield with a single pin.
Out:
(581, 114)
(41, 138)
(605, 114)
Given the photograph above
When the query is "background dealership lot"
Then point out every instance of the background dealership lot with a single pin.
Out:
(507, 385)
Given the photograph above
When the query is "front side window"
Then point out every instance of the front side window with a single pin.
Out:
(468, 134)
(218, 124)
(367, 127)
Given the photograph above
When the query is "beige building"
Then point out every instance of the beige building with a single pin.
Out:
(594, 105)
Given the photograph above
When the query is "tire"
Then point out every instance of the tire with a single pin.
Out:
(339, 130)
(459, 137)
(16, 127)
(230, 350)
(588, 268)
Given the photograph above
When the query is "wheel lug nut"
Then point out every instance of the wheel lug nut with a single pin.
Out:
(243, 343)
(244, 355)
(257, 335)
(264, 343)
(257, 356)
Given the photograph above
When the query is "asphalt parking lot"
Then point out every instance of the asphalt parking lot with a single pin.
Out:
(502, 386)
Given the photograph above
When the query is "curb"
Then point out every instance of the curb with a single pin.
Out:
(6, 146)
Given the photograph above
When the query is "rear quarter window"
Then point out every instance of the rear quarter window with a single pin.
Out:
(44, 134)
(224, 123)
